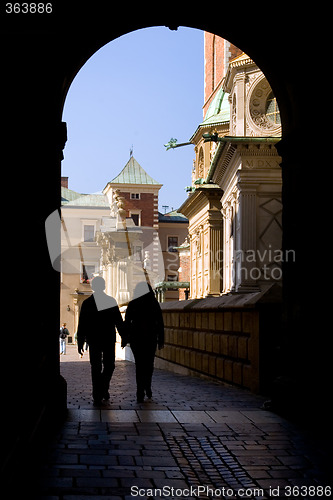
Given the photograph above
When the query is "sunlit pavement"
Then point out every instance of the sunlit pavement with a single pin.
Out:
(195, 439)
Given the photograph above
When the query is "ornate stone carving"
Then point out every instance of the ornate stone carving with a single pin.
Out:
(233, 115)
(120, 201)
(201, 164)
(257, 119)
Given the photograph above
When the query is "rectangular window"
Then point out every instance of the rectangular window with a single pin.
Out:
(88, 271)
(137, 253)
(135, 218)
(135, 196)
(172, 243)
(88, 232)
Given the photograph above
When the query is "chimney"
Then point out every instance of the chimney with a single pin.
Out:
(64, 182)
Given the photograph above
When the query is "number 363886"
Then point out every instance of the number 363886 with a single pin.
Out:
(28, 8)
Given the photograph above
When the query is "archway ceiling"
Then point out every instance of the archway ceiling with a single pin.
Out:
(76, 30)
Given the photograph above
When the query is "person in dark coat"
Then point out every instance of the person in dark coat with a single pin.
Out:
(145, 329)
(98, 319)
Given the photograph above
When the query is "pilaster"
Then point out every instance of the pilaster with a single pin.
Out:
(240, 107)
(214, 234)
(246, 241)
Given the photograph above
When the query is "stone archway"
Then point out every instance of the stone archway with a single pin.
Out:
(42, 55)
(211, 281)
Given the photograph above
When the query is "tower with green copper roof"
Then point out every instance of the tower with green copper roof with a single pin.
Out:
(140, 191)
(134, 174)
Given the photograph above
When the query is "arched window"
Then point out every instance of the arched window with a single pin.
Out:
(201, 164)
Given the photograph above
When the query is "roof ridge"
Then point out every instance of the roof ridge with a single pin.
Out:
(133, 173)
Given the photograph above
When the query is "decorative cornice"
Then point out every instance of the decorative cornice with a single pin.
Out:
(204, 194)
(239, 62)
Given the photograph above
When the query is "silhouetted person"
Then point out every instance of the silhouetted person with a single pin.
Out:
(62, 338)
(98, 318)
(145, 329)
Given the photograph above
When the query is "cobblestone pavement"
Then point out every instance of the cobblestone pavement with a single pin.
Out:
(194, 439)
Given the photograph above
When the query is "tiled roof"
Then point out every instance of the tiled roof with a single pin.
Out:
(133, 173)
(173, 216)
(219, 109)
(68, 195)
(74, 199)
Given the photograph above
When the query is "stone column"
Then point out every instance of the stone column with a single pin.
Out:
(246, 274)
(215, 268)
(240, 108)
(228, 212)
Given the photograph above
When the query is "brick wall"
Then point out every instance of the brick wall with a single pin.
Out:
(222, 345)
(218, 52)
(185, 266)
(185, 270)
(214, 62)
(146, 204)
(237, 345)
(234, 52)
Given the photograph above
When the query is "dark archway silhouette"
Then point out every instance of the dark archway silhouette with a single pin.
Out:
(42, 55)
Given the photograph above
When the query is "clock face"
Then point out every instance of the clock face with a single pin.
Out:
(263, 111)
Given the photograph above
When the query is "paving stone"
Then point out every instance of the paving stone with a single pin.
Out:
(171, 483)
(81, 415)
(261, 416)
(192, 416)
(119, 416)
(156, 416)
(85, 472)
(118, 473)
(194, 432)
(98, 460)
(156, 461)
(136, 481)
(93, 482)
(225, 416)
(91, 497)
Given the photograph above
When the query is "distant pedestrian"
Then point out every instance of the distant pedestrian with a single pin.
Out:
(62, 338)
(98, 319)
(144, 324)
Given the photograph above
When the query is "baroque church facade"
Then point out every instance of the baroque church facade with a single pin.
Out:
(234, 204)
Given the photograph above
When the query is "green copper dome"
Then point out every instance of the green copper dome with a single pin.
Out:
(219, 109)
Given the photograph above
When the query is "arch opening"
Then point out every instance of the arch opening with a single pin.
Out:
(221, 263)
(36, 87)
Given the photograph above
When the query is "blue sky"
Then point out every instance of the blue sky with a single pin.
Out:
(141, 89)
